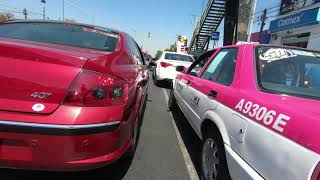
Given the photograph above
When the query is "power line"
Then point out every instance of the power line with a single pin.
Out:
(278, 6)
(11, 11)
(79, 8)
(10, 7)
(18, 10)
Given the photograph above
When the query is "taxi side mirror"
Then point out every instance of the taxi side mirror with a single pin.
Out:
(180, 69)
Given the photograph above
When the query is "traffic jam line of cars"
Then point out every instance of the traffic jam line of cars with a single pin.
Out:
(82, 88)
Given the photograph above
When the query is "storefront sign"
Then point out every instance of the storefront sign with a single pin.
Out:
(292, 5)
(305, 18)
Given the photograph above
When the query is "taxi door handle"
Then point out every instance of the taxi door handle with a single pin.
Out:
(188, 82)
(212, 94)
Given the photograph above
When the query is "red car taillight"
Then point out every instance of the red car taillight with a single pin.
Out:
(316, 173)
(165, 65)
(96, 89)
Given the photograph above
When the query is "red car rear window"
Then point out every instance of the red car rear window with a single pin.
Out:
(64, 34)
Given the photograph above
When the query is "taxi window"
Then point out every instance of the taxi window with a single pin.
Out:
(196, 67)
(221, 69)
(288, 71)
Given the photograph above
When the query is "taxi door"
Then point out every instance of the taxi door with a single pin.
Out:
(181, 83)
(211, 83)
(200, 94)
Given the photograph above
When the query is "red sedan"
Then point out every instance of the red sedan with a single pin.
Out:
(71, 95)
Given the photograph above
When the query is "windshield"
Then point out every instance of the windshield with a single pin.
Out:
(64, 34)
(178, 57)
(289, 71)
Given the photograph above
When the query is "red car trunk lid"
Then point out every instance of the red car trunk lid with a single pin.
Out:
(35, 77)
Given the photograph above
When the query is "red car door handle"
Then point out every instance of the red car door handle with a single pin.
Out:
(212, 94)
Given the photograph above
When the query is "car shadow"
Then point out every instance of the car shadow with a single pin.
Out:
(189, 137)
(165, 84)
(114, 171)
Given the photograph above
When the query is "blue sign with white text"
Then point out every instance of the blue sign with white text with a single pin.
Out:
(305, 18)
(215, 36)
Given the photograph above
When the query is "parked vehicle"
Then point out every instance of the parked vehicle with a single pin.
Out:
(166, 65)
(152, 65)
(71, 95)
(256, 109)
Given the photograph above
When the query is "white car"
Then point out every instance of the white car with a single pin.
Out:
(166, 66)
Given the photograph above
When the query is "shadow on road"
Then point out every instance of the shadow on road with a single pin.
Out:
(114, 171)
(189, 137)
(165, 84)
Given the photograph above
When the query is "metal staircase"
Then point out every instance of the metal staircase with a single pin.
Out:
(210, 21)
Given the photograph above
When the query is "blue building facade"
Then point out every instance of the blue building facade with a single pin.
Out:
(297, 26)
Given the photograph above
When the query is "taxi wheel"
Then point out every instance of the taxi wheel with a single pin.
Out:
(172, 103)
(213, 159)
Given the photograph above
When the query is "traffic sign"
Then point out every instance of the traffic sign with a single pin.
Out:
(215, 36)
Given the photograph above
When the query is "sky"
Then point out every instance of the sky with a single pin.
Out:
(164, 19)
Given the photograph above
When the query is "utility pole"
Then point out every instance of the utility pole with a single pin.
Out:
(194, 18)
(202, 9)
(44, 9)
(263, 19)
(25, 13)
(62, 10)
(230, 21)
(253, 12)
(244, 12)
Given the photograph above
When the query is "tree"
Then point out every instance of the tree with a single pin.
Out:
(158, 54)
(172, 48)
(6, 16)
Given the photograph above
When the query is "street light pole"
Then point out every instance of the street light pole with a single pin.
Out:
(44, 9)
(263, 19)
(25, 13)
(62, 10)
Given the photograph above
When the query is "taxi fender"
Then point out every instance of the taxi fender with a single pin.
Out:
(218, 121)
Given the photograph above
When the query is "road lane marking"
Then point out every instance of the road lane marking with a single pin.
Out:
(191, 169)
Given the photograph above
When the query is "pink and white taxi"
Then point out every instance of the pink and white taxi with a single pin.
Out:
(256, 109)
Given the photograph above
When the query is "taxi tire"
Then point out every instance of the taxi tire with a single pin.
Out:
(172, 103)
(223, 172)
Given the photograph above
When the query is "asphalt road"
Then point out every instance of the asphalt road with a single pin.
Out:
(167, 149)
